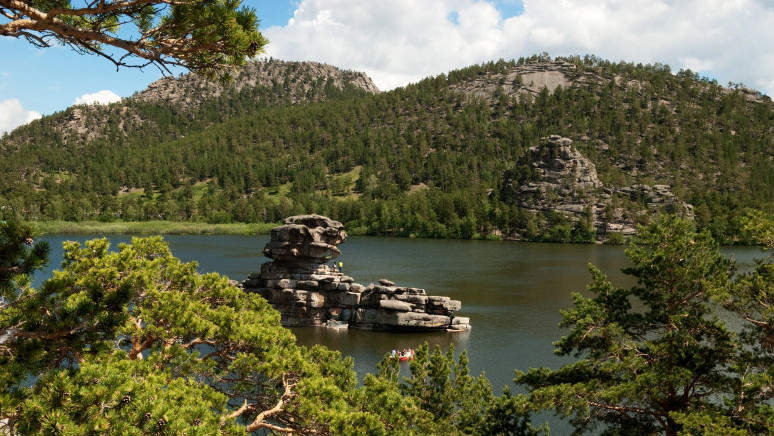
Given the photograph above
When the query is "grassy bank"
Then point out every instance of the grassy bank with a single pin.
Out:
(152, 228)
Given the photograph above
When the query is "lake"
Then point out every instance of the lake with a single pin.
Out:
(511, 291)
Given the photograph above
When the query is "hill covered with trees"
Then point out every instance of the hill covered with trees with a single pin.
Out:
(446, 157)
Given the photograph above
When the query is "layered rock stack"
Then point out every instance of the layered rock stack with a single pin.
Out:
(308, 292)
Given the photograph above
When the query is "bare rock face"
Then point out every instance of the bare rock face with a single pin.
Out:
(560, 179)
(562, 167)
(522, 79)
(190, 90)
(308, 292)
(555, 176)
(305, 241)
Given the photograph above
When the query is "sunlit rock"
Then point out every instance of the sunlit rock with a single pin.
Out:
(308, 292)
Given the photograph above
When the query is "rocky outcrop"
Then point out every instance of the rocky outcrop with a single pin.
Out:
(555, 176)
(558, 177)
(305, 242)
(561, 169)
(308, 292)
(296, 79)
(530, 78)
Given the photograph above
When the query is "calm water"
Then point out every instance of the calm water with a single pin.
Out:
(512, 292)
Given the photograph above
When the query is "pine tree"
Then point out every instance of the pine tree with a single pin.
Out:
(137, 342)
(649, 353)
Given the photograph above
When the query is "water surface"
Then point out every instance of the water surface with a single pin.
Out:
(512, 292)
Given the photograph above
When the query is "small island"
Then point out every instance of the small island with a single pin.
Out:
(306, 291)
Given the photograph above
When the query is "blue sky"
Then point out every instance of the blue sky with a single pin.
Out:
(398, 42)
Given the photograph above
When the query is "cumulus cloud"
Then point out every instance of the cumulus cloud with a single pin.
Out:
(696, 65)
(13, 115)
(100, 97)
(403, 41)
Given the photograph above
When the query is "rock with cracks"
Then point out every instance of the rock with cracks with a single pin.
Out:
(307, 291)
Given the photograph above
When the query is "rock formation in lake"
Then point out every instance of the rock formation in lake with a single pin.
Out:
(308, 292)
(555, 177)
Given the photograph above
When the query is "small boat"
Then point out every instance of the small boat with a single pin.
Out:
(404, 355)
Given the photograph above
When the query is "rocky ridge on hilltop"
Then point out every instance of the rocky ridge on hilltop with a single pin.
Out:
(297, 79)
(189, 94)
(522, 79)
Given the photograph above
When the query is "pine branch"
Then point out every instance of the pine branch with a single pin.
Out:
(259, 421)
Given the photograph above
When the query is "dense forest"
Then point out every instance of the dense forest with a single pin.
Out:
(430, 159)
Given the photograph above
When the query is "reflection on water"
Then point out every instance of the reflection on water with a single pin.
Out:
(511, 291)
(368, 347)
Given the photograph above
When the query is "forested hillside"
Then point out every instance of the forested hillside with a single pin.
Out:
(440, 158)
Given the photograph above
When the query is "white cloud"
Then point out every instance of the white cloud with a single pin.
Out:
(695, 64)
(395, 41)
(13, 115)
(100, 97)
(403, 41)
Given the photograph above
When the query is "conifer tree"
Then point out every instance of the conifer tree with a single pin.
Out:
(137, 342)
(200, 35)
(752, 298)
(20, 256)
(651, 353)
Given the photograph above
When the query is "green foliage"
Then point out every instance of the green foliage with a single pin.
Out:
(647, 354)
(137, 342)
(658, 357)
(509, 415)
(441, 397)
(751, 298)
(615, 239)
(758, 228)
(20, 256)
(202, 36)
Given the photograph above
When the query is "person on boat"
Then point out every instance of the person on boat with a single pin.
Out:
(392, 354)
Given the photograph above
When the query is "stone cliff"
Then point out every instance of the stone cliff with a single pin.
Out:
(297, 80)
(308, 292)
(555, 177)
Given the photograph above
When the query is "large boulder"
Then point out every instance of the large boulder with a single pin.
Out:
(305, 240)
(395, 320)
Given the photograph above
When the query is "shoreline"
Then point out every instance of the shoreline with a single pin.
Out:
(147, 228)
(151, 228)
(159, 227)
